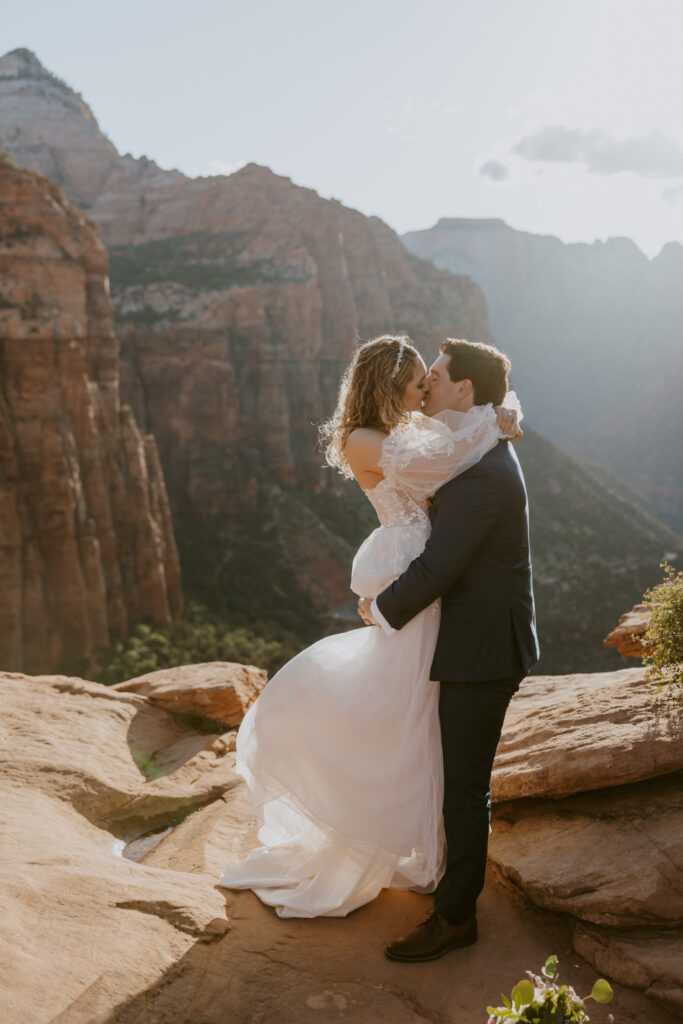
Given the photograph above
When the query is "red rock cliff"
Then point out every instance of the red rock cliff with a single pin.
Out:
(86, 543)
(240, 301)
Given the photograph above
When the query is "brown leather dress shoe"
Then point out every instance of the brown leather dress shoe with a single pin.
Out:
(432, 939)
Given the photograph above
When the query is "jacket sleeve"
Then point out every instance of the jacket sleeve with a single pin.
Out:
(465, 510)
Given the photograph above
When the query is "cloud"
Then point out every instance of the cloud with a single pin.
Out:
(494, 170)
(673, 195)
(650, 156)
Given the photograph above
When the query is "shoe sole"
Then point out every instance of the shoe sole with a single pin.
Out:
(426, 959)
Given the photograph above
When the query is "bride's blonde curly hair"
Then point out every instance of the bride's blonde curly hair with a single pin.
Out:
(370, 394)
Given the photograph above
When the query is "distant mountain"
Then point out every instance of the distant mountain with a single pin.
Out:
(48, 127)
(589, 328)
(643, 440)
(238, 302)
(591, 545)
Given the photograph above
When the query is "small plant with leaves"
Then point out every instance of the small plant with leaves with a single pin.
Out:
(663, 640)
(540, 1000)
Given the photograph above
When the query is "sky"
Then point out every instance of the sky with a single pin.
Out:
(561, 118)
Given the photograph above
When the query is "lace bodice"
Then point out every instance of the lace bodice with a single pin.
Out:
(395, 507)
(418, 457)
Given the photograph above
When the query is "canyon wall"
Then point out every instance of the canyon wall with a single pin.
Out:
(238, 302)
(86, 542)
(242, 306)
(238, 307)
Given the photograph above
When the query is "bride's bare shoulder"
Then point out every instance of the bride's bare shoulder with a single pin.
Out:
(365, 439)
(363, 451)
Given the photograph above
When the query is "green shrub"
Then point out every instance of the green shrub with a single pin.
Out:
(664, 637)
(199, 636)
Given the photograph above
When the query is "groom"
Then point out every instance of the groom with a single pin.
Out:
(477, 561)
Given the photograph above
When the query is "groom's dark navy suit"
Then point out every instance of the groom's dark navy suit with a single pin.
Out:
(477, 560)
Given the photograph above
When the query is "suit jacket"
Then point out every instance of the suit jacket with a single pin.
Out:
(477, 560)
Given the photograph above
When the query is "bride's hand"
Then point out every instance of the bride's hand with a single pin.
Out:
(507, 423)
(365, 612)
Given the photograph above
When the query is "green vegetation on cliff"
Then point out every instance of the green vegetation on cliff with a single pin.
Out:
(200, 261)
(257, 596)
(664, 636)
(199, 636)
(284, 556)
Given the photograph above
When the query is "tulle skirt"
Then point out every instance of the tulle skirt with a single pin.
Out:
(342, 755)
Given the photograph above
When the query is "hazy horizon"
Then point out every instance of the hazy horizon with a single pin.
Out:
(559, 122)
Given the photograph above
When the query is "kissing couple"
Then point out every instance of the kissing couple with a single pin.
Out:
(369, 755)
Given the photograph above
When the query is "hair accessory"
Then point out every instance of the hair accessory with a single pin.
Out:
(399, 357)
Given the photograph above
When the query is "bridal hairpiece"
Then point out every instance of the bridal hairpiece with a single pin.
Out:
(399, 357)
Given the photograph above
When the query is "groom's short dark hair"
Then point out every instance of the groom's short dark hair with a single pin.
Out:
(484, 365)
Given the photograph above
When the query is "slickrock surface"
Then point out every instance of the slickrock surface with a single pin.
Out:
(81, 765)
(567, 734)
(613, 857)
(220, 690)
(627, 635)
(86, 542)
(118, 760)
(89, 937)
(651, 961)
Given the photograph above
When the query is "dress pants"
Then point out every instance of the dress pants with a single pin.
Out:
(472, 716)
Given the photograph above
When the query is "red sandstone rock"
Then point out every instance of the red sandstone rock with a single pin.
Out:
(649, 959)
(568, 734)
(89, 936)
(86, 545)
(627, 636)
(221, 690)
(611, 858)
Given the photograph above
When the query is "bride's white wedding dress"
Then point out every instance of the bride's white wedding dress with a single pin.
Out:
(342, 750)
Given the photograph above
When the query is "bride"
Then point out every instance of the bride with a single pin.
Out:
(342, 750)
